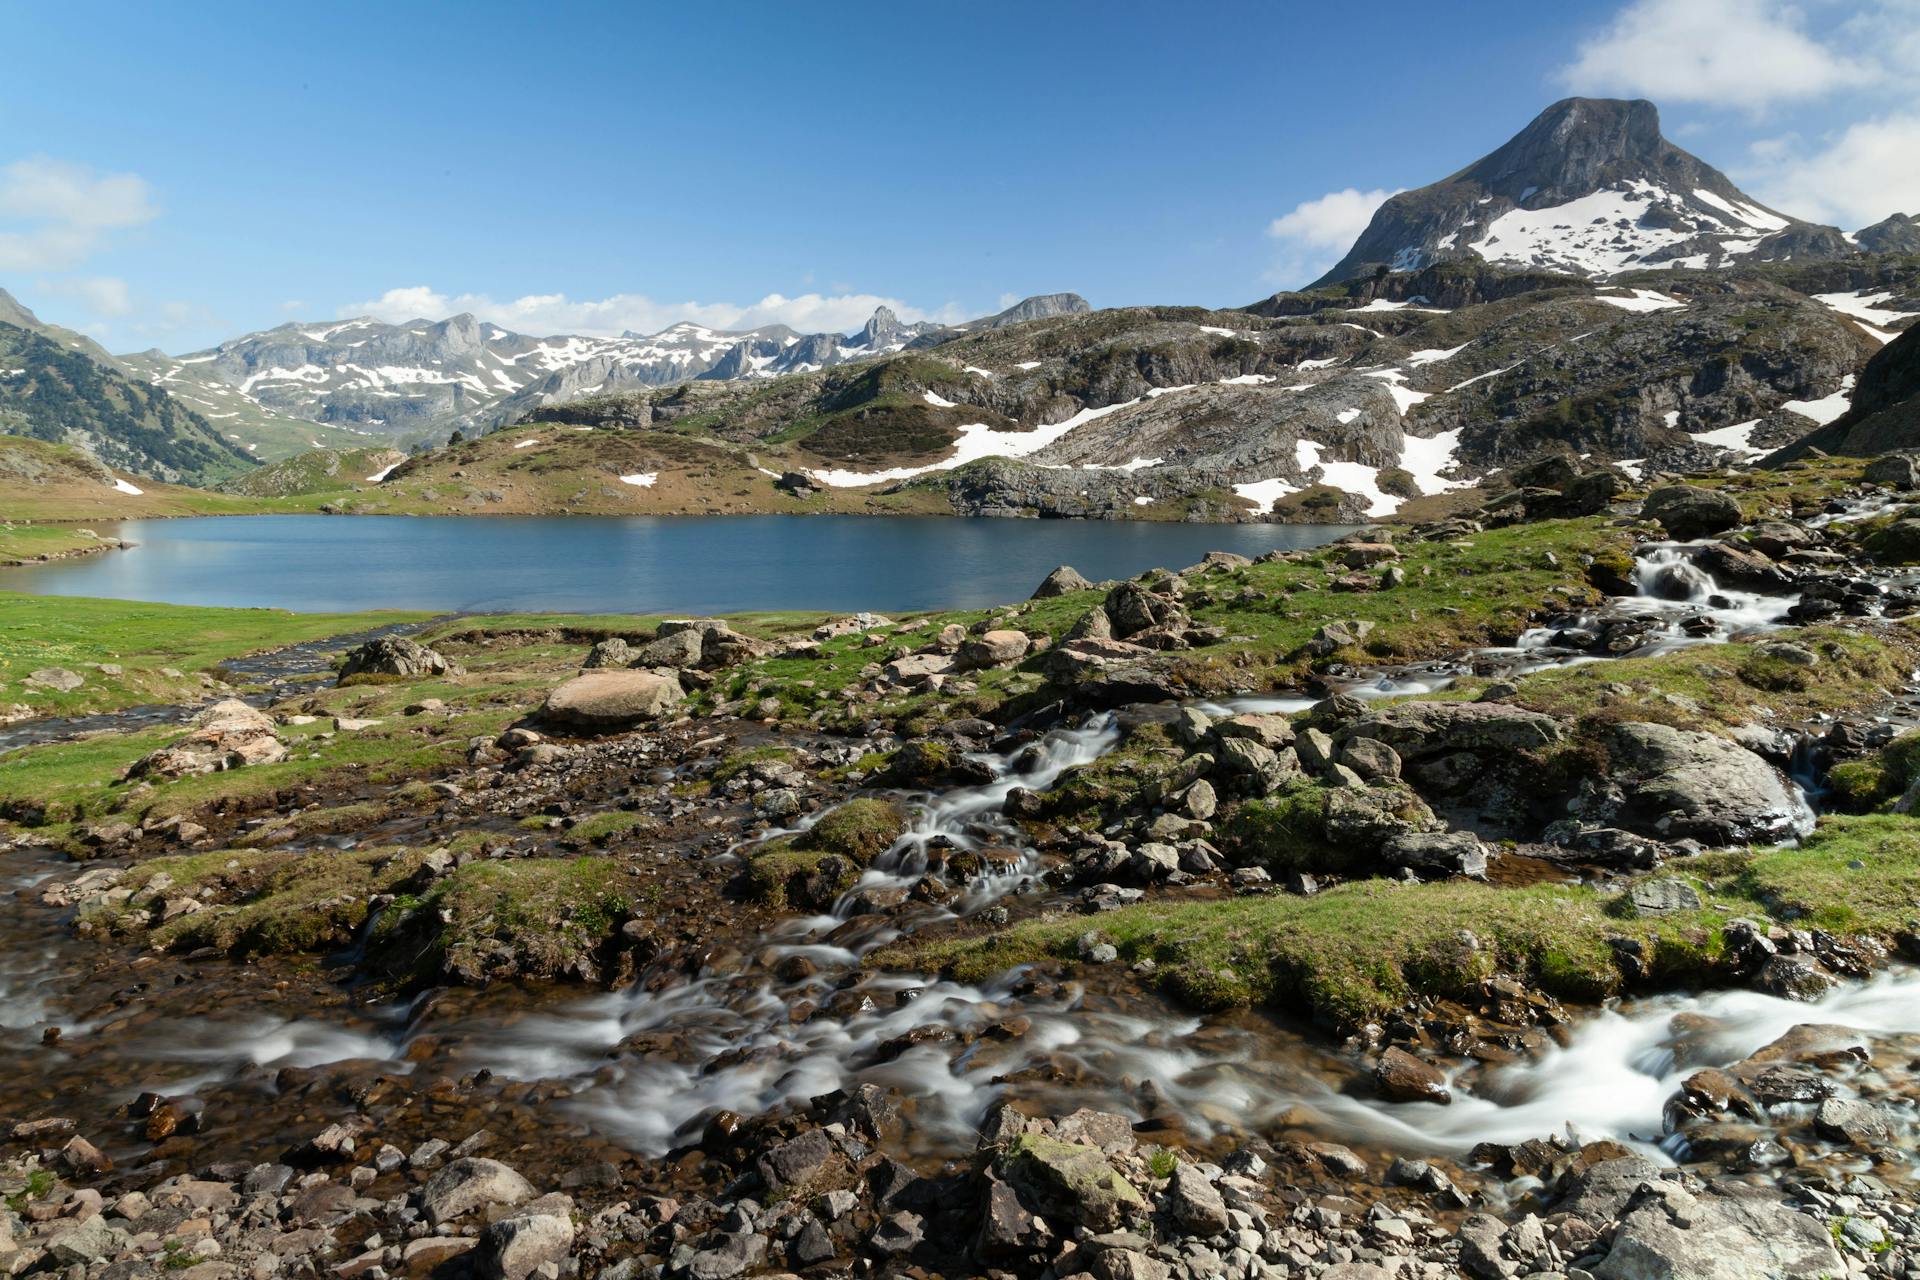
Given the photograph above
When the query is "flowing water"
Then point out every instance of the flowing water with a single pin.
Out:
(650, 1064)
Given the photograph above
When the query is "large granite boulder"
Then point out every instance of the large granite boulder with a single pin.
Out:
(610, 700)
(1727, 1231)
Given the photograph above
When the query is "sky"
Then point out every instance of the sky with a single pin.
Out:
(176, 175)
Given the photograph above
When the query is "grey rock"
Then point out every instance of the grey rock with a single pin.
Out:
(469, 1184)
(1729, 1232)
(397, 656)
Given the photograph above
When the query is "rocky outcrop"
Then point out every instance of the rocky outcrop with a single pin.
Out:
(227, 735)
(1680, 784)
(397, 657)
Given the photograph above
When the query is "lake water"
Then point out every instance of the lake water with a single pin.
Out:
(630, 564)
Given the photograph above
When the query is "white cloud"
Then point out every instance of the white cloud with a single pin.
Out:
(54, 214)
(553, 313)
(1859, 176)
(1317, 233)
(101, 295)
(1735, 53)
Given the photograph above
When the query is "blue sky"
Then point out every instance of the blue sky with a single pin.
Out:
(173, 175)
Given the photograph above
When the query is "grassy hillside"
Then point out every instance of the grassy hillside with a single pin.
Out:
(66, 396)
(40, 481)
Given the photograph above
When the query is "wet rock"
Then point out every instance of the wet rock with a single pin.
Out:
(1193, 1204)
(1689, 512)
(606, 701)
(1062, 581)
(1728, 1232)
(83, 1159)
(1401, 1077)
(397, 656)
(795, 1161)
(1859, 1124)
(469, 1184)
(1793, 977)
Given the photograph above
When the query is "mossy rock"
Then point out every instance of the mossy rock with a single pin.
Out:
(782, 875)
(862, 829)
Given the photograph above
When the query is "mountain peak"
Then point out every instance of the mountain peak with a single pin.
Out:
(1589, 187)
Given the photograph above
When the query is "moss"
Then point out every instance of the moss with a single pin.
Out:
(782, 874)
(535, 917)
(1285, 832)
(862, 829)
(275, 903)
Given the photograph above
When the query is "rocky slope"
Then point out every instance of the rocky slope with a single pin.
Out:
(1592, 188)
(420, 380)
(1340, 402)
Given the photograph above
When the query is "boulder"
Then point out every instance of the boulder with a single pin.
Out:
(1457, 853)
(1727, 1232)
(514, 1248)
(1685, 784)
(469, 1184)
(1685, 511)
(1418, 729)
(1895, 470)
(613, 652)
(1062, 581)
(677, 649)
(1193, 1204)
(602, 701)
(57, 679)
(992, 649)
(1335, 636)
(227, 735)
(1077, 660)
(1071, 1182)
(397, 656)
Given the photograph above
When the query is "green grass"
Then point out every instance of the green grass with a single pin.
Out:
(26, 543)
(1360, 950)
(80, 633)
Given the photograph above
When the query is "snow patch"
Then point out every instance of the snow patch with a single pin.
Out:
(1027, 364)
(641, 479)
(1827, 408)
(937, 401)
(1735, 438)
(1640, 300)
(1425, 459)
(1435, 355)
(526, 444)
(977, 440)
(383, 473)
(121, 486)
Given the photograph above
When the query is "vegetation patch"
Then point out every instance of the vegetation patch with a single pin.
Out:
(1358, 951)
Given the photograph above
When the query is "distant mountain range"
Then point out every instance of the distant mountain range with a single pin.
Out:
(421, 380)
(1591, 188)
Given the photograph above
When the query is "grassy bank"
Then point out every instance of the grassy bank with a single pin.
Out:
(127, 653)
(1358, 951)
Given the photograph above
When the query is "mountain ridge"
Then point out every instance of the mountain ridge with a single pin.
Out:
(1591, 187)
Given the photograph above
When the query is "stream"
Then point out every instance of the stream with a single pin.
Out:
(650, 1065)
